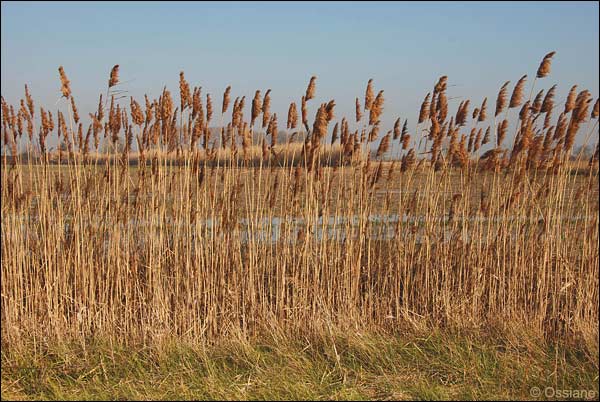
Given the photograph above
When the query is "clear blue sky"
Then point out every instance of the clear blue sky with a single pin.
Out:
(404, 47)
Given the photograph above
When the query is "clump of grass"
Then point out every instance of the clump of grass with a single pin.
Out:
(327, 365)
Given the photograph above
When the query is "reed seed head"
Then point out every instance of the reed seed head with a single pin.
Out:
(310, 90)
(369, 96)
(544, 68)
(65, 83)
(517, 96)
(114, 76)
(501, 99)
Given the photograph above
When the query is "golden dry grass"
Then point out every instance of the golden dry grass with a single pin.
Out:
(206, 237)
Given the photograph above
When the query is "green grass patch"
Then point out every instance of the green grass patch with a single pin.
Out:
(343, 366)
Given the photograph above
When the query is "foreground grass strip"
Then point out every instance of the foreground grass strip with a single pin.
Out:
(358, 367)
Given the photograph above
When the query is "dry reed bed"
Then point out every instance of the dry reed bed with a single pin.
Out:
(74, 265)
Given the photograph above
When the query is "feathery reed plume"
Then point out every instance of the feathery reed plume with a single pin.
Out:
(478, 139)
(344, 137)
(561, 127)
(525, 111)
(166, 112)
(475, 113)
(149, 108)
(13, 120)
(440, 87)
(525, 135)
(184, 92)
(547, 119)
(547, 142)
(534, 152)
(6, 111)
(582, 104)
(226, 99)
(536, 106)
(462, 113)
(114, 76)
(115, 124)
(442, 106)
(444, 130)
(471, 139)
(310, 90)
(594, 114)
(304, 113)
(329, 109)
(128, 140)
(351, 144)
(236, 113)
(100, 113)
(548, 103)
(29, 101)
(373, 134)
(376, 109)
(450, 126)
(50, 121)
(334, 135)
(358, 111)
(209, 109)
(501, 99)
(240, 112)
(320, 126)
(424, 112)
(435, 135)
(544, 68)
(24, 111)
(405, 141)
(196, 131)
(461, 154)
(273, 130)
(65, 83)
(486, 137)
(404, 128)
(74, 108)
(397, 129)
(483, 111)
(136, 112)
(256, 107)
(517, 95)
(20, 122)
(266, 106)
(434, 130)
(45, 129)
(196, 102)
(570, 102)
(369, 96)
(501, 132)
(246, 139)
(432, 106)
(292, 120)
(80, 137)
(30, 123)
